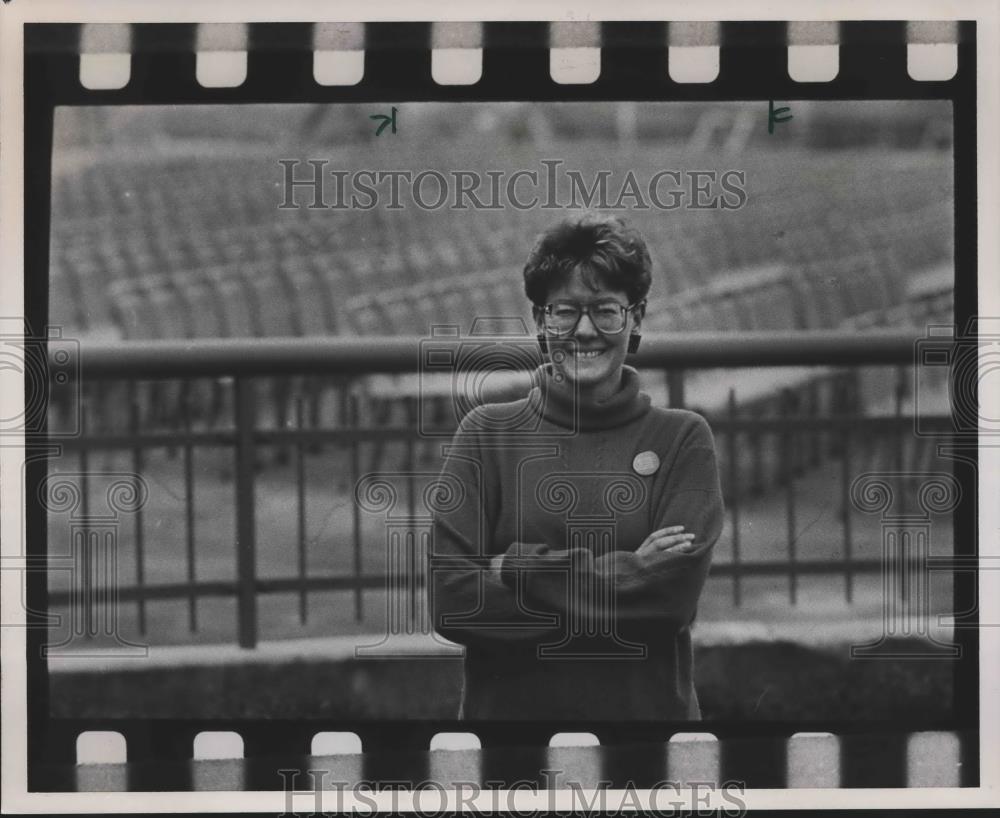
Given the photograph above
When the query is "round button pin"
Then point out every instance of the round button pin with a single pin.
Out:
(646, 463)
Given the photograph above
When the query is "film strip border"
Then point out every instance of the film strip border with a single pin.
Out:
(251, 760)
(263, 61)
(269, 62)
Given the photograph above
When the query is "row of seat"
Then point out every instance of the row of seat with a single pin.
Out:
(89, 287)
(232, 301)
(843, 286)
(297, 294)
(820, 295)
(132, 185)
(142, 226)
(300, 297)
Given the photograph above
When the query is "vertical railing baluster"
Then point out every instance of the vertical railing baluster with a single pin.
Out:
(734, 499)
(87, 593)
(137, 470)
(300, 480)
(352, 421)
(189, 531)
(845, 500)
(675, 388)
(757, 446)
(246, 557)
(79, 601)
(343, 449)
(787, 472)
(816, 438)
(899, 430)
(900, 435)
(411, 501)
(795, 446)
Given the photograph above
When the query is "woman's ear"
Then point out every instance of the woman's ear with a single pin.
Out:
(638, 314)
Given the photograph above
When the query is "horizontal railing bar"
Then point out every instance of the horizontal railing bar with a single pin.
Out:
(177, 590)
(173, 590)
(365, 355)
(376, 582)
(941, 423)
(228, 438)
(342, 583)
(937, 423)
(750, 568)
(148, 440)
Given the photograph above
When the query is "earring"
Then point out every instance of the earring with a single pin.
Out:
(633, 342)
(543, 343)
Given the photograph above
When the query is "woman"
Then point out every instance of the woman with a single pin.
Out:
(575, 526)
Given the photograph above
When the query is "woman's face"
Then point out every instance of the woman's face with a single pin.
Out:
(592, 360)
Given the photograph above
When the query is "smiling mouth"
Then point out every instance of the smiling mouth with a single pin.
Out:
(588, 353)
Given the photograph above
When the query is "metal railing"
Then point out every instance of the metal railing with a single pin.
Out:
(814, 420)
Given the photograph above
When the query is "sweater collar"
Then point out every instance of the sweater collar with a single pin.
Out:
(557, 401)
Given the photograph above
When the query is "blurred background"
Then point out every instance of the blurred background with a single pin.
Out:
(166, 225)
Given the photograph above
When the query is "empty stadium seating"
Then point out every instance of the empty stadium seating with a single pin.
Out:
(184, 219)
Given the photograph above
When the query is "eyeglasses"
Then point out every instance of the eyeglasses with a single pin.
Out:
(609, 317)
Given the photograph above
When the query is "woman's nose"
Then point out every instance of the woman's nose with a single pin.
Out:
(586, 327)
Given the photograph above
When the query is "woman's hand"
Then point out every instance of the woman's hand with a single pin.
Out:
(671, 538)
(496, 564)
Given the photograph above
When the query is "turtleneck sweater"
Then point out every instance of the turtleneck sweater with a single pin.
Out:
(555, 399)
(575, 625)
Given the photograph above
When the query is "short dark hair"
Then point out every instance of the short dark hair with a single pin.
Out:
(606, 249)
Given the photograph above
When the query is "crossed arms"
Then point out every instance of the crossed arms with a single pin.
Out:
(524, 593)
